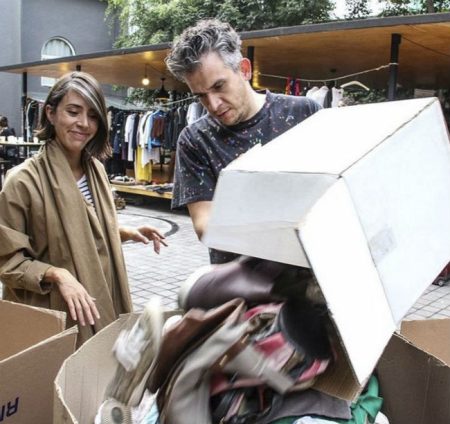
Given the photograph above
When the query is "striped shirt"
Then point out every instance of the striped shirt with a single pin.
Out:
(84, 189)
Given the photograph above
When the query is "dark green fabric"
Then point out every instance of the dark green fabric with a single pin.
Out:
(367, 406)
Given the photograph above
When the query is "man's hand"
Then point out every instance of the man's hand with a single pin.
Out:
(81, 305)
(143, 235)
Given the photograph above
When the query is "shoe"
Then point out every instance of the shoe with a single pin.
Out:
(113, 412)
(135, 351)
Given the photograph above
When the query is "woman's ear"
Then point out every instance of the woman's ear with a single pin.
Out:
(246, 68)
(49, 113)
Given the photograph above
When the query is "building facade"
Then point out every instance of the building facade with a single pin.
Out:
(42, 29)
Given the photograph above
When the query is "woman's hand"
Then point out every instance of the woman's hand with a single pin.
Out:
(81, 305)
(143, 235)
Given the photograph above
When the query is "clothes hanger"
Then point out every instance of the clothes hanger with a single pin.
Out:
(360, 84)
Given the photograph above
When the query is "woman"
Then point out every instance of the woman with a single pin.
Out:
(5, 131)
(61, 243)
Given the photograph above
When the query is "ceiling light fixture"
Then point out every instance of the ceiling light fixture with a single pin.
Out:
(162, 93)
(145, 81)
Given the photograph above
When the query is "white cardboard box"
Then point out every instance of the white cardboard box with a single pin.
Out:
(361, 195)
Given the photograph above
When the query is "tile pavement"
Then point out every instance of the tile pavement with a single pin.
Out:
(151, 274)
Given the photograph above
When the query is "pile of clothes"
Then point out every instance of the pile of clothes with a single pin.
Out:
(250, 341)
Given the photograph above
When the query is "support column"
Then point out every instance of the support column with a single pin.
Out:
(24, 103)
(396, 39)
(251, 57)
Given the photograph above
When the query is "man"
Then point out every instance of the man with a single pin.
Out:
(207, 57)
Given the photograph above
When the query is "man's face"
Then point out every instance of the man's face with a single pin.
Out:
(222, 91)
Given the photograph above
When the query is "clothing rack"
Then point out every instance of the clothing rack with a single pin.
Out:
(115, 108)
(173, 102)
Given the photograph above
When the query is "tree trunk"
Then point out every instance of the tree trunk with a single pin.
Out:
(430, 6)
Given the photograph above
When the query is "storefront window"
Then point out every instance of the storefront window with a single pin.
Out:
(53, 48)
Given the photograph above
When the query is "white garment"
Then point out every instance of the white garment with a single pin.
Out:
(381, 419)
(311, 420)
(143, 135)
(336, 96)
(311, 91)
(129, 124)
(194, 112)
(320, 95)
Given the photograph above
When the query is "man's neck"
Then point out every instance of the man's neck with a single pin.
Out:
(257, 101)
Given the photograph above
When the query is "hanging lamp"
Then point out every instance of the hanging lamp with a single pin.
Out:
(162, 93)
(145, 81)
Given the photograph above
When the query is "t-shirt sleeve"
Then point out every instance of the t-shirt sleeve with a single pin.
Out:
(194, 180)
(308, 107)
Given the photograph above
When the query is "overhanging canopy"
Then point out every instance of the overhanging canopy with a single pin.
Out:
(318, 51)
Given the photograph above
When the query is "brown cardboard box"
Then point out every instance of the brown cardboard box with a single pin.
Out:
(414, 373)
(33, 347)
(81, 382)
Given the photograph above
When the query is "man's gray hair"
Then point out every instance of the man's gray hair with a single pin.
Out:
(207, 36)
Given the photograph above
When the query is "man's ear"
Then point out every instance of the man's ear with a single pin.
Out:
(246, 68)
(49, 113)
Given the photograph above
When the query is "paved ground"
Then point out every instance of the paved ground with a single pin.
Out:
(162, 274)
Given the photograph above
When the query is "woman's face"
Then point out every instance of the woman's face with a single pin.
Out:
(74, 121)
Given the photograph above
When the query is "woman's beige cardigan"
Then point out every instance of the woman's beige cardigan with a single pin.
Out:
(45, 221)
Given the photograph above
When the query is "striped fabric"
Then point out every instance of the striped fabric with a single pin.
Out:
(84, 188)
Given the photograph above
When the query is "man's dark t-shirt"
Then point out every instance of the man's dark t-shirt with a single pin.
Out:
(207, 146)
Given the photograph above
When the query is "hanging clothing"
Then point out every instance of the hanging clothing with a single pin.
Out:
(45, 221)
(128, 136)
(311, 91)
(195, 111)
(138, 137)
(319, 95)
(297, 88)
(143, 136)
(337, 95)
(142, 172)
(33, 111)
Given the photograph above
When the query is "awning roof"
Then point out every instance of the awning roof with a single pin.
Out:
(318, 51)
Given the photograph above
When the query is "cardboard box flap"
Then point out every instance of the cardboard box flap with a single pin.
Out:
(32, 354)
(431, 336)
(24, 326)
(332, 139)
(252, 228)
(415, 385)
(400, 192)
(82, 380)
(348, 278)
(23, 380)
